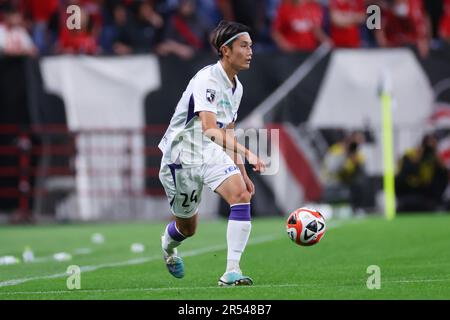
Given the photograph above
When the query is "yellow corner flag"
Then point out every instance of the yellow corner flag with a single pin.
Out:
(388, 147)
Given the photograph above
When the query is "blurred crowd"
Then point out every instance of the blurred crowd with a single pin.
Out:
(182, 27)
(421, 181)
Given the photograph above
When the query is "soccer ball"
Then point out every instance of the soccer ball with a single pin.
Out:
(305, 226)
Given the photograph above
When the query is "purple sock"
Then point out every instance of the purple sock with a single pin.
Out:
(240, 212)
(174, 233)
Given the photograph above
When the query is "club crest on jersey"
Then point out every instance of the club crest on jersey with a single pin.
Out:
(210, 95)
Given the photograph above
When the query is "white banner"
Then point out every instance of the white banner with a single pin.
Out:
(99, 93)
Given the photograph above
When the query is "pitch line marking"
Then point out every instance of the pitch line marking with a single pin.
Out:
(190, 253)
(136, 261)
(199, 288)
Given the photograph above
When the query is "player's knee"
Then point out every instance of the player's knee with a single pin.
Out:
(190, 233)
(243, 196)
(187, 231)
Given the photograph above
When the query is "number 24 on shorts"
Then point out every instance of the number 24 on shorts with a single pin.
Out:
(193, 198)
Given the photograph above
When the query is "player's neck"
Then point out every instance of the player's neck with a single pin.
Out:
(231, 73)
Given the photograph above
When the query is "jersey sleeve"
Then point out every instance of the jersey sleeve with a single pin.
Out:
(206, 95)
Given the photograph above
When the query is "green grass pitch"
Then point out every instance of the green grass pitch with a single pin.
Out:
(412, 252)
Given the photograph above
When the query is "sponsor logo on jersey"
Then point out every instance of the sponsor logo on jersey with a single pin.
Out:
(225, 103)
(231, 169)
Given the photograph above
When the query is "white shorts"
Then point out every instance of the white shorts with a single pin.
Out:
(183, 186)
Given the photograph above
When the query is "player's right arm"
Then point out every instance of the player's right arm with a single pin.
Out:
(228, 141)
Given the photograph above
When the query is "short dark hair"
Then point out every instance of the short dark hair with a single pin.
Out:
(224, 31)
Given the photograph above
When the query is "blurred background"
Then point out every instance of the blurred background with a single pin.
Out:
(82, 111)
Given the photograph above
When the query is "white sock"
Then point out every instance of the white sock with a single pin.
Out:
(168, 243)
(238, 233)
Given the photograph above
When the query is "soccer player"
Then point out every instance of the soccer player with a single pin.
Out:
(199, 147)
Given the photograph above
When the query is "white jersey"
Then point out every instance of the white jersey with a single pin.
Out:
(209, 90)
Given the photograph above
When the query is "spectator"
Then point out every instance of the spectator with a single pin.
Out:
(124, 31)
(298, 26)
(265, 43)
(44, 15)
(433, 13)
(164, 8)
(248, 12)
(444, 27)
(422, 178)
(209, 11)
(346, 19)
(93, 9)
(78, 41)
(404, 24)
(344, 176)
(14, 38)
(257, 14)
(186, 32)
(6, 6)
(149, 25)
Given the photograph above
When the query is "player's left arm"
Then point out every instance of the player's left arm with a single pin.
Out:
(239, 161)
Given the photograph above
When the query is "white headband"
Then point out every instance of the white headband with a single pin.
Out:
(234, 37)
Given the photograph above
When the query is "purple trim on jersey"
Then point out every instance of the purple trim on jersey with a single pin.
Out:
(174, 233)
(240, 212)
(191, 112)
(172, 168)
